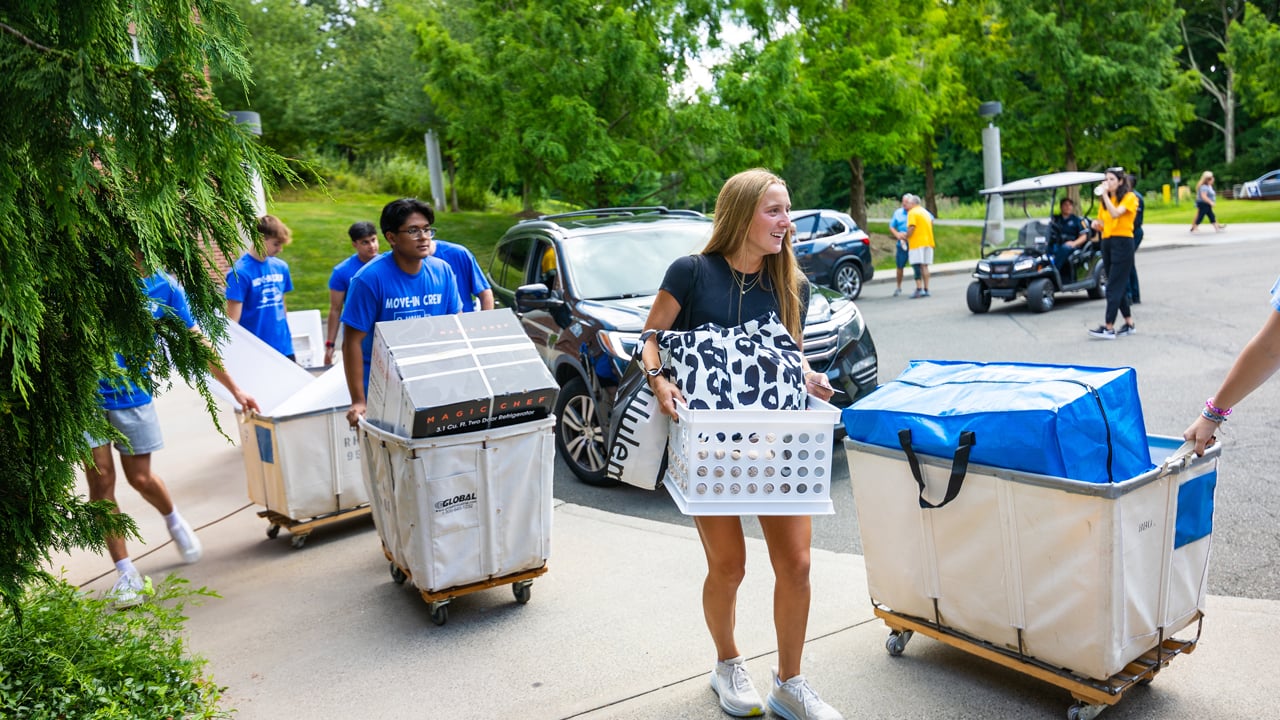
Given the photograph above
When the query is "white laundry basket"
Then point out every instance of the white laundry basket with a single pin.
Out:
(752, 462)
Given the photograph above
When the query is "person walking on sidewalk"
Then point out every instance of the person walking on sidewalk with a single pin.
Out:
(898, 228)
(1115, 220)
(919, 243)
(1206, 201)
(748, 258)
(130, 410)
(364, 240)
(407, 283)
(1257, 362)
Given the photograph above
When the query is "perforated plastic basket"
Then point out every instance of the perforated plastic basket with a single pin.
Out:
(752, 462)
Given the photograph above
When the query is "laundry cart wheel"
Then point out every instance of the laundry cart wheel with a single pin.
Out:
(397, 574)
(522, 590)
(897, 642)
(440, 612)
(1084, 711)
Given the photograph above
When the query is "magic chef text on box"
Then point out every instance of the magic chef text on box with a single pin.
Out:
(456, 373)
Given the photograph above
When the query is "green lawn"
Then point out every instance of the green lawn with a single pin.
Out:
(951, 242)
(1228, 211)
(319, 224)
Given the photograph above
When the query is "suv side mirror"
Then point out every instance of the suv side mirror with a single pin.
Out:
(537, 296)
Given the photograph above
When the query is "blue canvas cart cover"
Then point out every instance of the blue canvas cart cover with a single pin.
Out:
(1082, 423)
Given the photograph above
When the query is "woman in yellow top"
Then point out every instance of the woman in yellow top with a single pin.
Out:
(1115, 220)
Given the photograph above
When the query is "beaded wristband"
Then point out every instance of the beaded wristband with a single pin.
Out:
(1212, 417)
(1215, 409)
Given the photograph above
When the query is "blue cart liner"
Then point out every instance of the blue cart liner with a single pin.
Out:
(1083, 423)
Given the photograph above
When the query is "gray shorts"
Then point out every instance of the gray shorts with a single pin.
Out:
(140, 426)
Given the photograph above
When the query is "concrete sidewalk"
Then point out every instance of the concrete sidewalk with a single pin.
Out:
(613, 630)
(1157, 237)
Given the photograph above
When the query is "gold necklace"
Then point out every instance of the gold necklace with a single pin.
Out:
(743, 285)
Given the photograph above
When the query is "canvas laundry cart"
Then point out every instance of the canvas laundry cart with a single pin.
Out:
(1023, 513)
(301, 456)
(1079, 584)
(302, 461)
(465, 512)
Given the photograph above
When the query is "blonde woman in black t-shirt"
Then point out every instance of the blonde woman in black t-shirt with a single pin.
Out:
(747, 269)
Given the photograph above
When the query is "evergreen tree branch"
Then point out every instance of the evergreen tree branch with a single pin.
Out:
(27, 40)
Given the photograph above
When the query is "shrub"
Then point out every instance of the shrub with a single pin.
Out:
(73, 656)
(401, 175)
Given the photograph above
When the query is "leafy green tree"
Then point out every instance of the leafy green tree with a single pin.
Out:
(1206, 36)
(109, 159)
(567, 96)
(860, 79)
(1092, 81)
(1255, 50)
(288, 50)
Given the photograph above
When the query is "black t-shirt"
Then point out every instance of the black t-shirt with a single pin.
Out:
(718, 298)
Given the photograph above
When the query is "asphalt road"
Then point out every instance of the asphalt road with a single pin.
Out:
(1200, 305)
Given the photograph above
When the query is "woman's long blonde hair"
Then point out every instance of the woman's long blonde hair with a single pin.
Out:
(1205, 177)
(735, 208)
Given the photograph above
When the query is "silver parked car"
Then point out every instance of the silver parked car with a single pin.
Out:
(1266, 187)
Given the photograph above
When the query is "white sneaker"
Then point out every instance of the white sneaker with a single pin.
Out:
(795, 700)
(738, 696)
(129, 590)
(185, 538)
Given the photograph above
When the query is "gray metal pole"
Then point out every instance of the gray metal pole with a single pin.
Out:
(254, 122)
(434, 167)
(992, 172)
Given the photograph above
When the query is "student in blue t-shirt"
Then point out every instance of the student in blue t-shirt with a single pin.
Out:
(898, 228)
(256, 286)
(130, 410)
(406, 283)
(364, 240)
(471, 280)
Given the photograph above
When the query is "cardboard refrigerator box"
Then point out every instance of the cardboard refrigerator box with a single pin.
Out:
(455, 374)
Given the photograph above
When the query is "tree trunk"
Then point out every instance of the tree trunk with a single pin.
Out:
(526, 199)
(857, 192)
(930, 188)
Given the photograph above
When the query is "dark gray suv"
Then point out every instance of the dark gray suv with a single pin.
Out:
(582, 284)
(832, 250)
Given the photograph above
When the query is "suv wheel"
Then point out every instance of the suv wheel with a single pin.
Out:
(848, 280)
(580, 439)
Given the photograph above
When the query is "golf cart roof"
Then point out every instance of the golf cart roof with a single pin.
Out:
(1045, 182)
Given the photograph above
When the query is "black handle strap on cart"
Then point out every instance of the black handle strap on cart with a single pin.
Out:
(959, 467)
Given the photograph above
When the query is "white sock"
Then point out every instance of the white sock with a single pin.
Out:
(125, 567)
(173, 519)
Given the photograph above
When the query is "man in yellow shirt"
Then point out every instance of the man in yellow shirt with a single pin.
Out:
(919, 244)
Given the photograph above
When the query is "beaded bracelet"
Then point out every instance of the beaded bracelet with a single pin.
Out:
(1212, 416)
(1215, 409)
